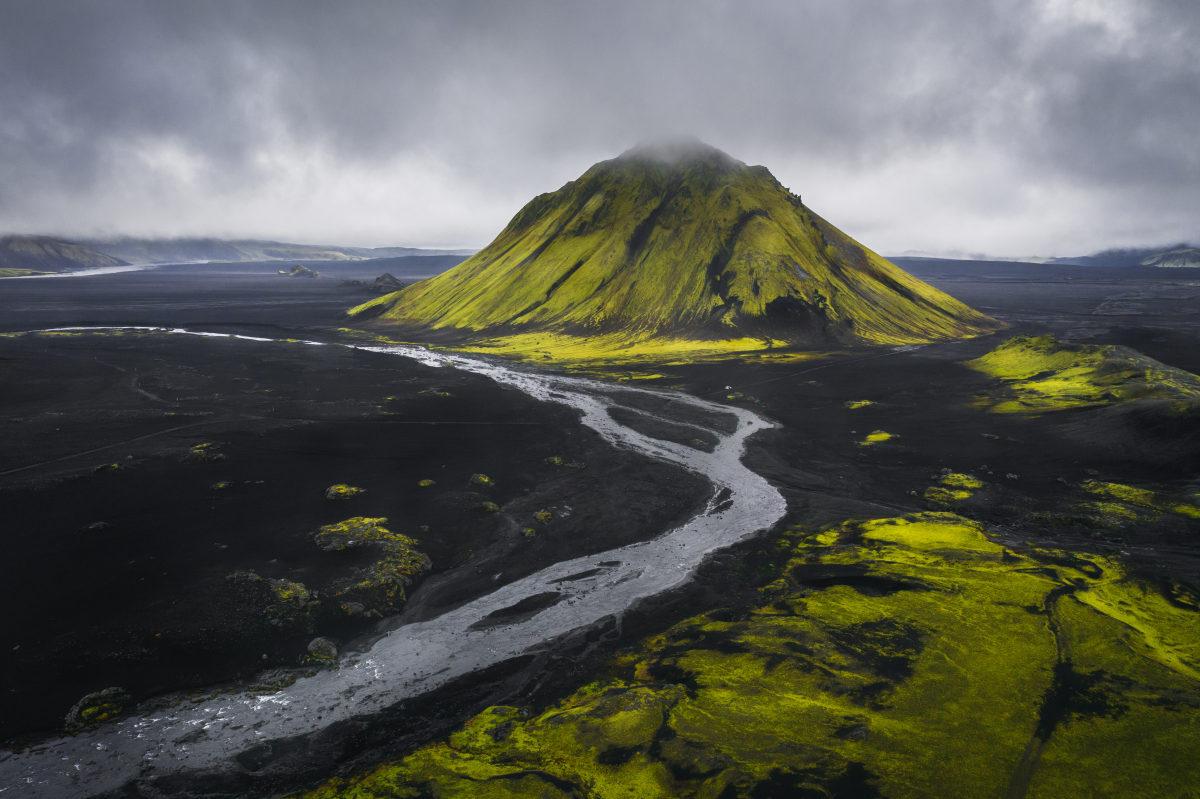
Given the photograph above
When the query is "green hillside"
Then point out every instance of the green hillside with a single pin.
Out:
(34, 254)
(679, 241)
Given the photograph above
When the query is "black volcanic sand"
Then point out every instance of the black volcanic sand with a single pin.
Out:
(1032, 469)
(122, 538)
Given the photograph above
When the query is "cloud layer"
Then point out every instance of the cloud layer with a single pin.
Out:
(1013, 127)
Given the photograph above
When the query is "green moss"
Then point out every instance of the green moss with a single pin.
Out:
(382, 584)
(543, 516)
(292, 604)
(482, 480)
(426, 483)
(1121, 503)
(855, 405)
(355, 531)
(489, 507)
(876, 437)
(220, 485)
(205, 451)
(960, 480)
(921, 671)
(12, 272)
(97, 708)
(953, 487)
(343, 491)
(1043, 374)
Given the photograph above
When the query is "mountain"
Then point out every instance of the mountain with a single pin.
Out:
(47, 254)
(678, 239)
(1174, 255)
(188, 250)
(1182, 256)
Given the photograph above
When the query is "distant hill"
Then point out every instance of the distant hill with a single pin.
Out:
(22, 254)
(678, 239)
(917, 262)
(189, 250)
(1177, 255)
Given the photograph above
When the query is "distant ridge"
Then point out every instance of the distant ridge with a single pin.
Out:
(29, 254)
(187, 250)
(1175, 255)
(677, 238)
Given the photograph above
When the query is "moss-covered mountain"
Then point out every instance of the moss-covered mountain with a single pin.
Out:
(679, 240)
(33, 254)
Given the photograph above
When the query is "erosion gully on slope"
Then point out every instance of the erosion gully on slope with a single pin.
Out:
(419, 657)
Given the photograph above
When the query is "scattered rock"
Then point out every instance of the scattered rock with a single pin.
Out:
(299, 270)
(322, 650)
(97, 708)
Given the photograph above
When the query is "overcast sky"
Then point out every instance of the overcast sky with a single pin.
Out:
(1012, 128)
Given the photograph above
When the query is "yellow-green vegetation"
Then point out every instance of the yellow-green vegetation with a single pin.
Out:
(426, 483)
(482, 480)
(1119, 503)
(855, 405)
(343, 491)
(205, 451)
(386, 578)
(671, 254)
(13, 272)
(292, 604)
(544, 516)
(876, 437)
(583, 351)
(905, 657)
(97, 708)
(953, 487)
(1043, 374)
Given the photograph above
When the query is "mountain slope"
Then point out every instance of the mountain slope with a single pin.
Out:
(47, 254)
(679, 240)
(1179, 257)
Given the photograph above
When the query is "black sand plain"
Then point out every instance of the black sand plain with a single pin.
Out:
(119, 575)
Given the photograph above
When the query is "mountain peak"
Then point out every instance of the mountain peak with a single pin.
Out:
(677, 151)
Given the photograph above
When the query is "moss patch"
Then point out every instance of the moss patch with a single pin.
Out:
(382, 584)
(876, 437)
(343, 491)
(899, 657)
(1042, 374)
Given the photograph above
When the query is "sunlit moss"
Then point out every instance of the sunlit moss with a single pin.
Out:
(903, 657)
(205, 451)
(1121, 502)
(1043, 374)
(343, 491)
(855, 405)
(876, 437)
(953, 487)
(426, 483)
(386, 578)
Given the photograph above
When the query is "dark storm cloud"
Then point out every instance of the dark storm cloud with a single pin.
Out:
(1014, 126)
